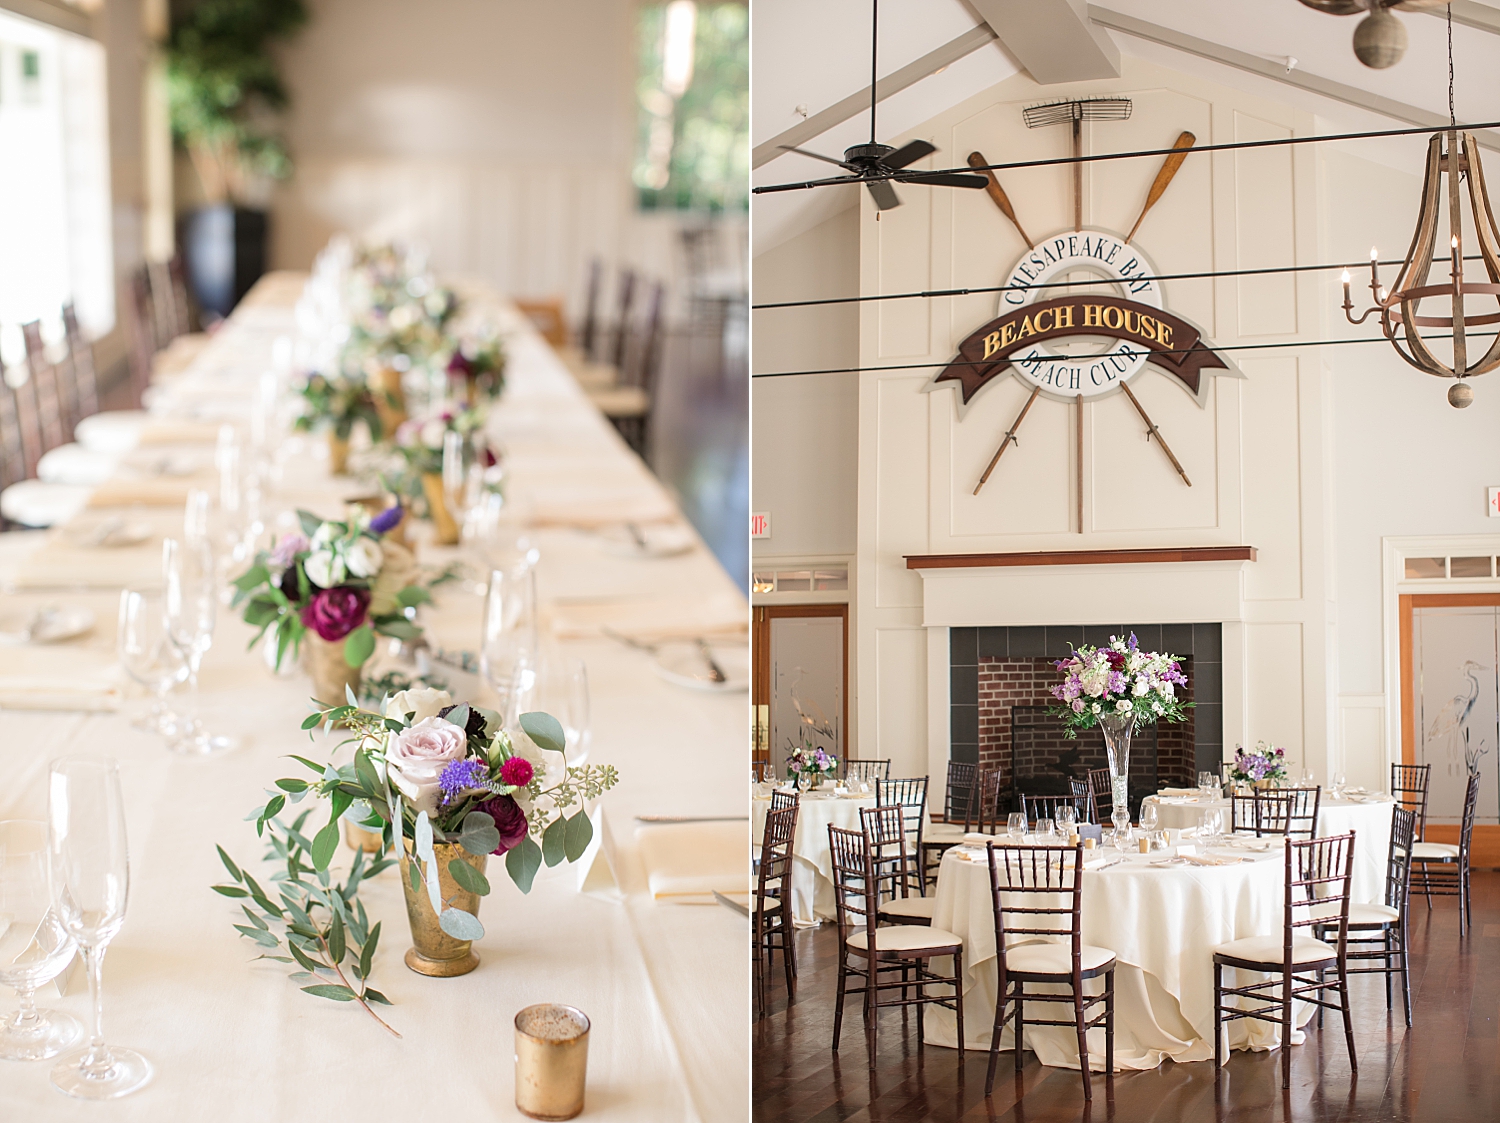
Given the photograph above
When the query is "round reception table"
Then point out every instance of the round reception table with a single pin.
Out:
(1161, 921)
(812, 864)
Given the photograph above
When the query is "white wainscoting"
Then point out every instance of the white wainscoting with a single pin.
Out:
(1364, 755)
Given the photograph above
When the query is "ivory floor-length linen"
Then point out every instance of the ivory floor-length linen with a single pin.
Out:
(666, 986)
(812, 862)
(1161, 923)
(1369, 819)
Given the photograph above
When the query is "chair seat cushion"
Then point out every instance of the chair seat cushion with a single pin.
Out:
(1054, 958)
(1433, 851)
(905, 937)
(1268, 949)
(919, 907)
(1358, 913)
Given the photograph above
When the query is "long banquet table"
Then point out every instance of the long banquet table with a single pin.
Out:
(666, 986)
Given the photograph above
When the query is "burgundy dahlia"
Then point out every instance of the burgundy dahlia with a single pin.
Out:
(334, 613)
(510, 821)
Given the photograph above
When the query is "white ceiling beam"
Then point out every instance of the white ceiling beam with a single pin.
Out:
(1277, 72)
(1052, 39)
(1471, 14)
(893, 83)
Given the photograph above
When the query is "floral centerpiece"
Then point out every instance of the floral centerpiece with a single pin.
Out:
(448, 786)
(1117, 688)
(811, 763)
(476, 369)
(335, 402)
(420, 443)
(1264, 765)
(327, 592)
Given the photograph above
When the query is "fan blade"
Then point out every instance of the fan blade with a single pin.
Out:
(815, 156)
(883, 193)
(946, 179)
(907, 154)
(808, 183)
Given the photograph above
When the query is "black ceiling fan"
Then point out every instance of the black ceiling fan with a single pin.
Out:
(877, 165)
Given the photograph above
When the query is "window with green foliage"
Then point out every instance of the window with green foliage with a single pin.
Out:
(693, 88)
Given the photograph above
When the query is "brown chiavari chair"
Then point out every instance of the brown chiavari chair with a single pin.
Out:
(29, 421)
(958, 797)
(1263, 812)
(1045, 807)
(1302, 811)
(870, 771)
(43, 377)
(1317, 887)
(622, 318)
(1037, 896)
(140, 316)
(12, 450)
(899, 882)
(547, 316)
(867, 952)
(1083, 791)
(1101, 794)
(81, 363)
(772, 918)
(1443, 868)
(910, 794)
(1385, 925)
(627, 404)
(1409, 789)
(588, 331)
(179, 306)
(780, 800)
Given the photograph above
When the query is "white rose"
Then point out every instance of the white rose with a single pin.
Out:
(423, 701)
(324, 534)
(364, 557)
(415, 759)
(433, 433)
(324, 569)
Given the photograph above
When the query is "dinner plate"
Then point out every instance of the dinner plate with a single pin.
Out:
(657, 540)
(684, 665)
(47, 625)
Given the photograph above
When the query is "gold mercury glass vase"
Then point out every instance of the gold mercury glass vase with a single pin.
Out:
(338, 454)
(323, 660)
(433, 951)
(437, 503)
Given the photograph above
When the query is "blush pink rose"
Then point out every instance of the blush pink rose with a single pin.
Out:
(416, 757)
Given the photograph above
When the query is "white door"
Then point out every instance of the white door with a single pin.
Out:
(807, 685)
(1456, 705)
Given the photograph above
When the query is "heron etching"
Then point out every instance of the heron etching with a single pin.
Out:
(1452, 722)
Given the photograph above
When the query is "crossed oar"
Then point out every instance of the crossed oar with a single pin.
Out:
(1169, 168)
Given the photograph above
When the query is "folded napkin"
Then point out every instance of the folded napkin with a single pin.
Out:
(64, 677)
(652, 618)
(595, 510)
(168, 491)
(1210, 860)
(175, 432)
(58, 564)
(1101, 860)
(687, 862)
(1179, 791)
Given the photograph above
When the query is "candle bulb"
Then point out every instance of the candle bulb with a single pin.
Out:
(1348, 301)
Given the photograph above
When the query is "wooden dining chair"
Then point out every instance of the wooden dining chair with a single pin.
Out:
(780, 800)
(588, 329)
(29, 422)
(1083, 791)
(1442, 868)
(1045, 807)
(547, 316)
(1409, 789)
(628, 403)
(870, 771)
(12, 450)
(910, 794)
(1316, 898)
(898, 957)
(1102, 794)
(623, 310)
(958, 797)
(1265, 813)
(899, 898)
(140, 320)
(1377, 933)
(1036, 893)
(772, 918)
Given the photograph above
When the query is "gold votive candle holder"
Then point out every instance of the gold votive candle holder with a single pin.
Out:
(1145, 845)
(552, 1054)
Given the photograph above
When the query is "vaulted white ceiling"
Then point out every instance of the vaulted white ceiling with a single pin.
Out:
(806, 57)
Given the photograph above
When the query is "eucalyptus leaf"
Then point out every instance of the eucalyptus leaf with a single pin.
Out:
(423, 836)
(468, 878)
(234, 870)
(324, 844)
(460, 925)
(309, 522)
(554, 845)
(292, 786)
(522, 862)
(312, 720)
(336, 945)
(367, 952)
(333, 991)
(413, 595)
(372, 995)
(580, 834)
(359, 645)
(349, 696)
(414, 875)
(302, 957)
(545, 731)
(434, 889)
(478, 834)
(255, 920)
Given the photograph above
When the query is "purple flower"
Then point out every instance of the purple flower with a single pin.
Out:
(334, 613)
(387, 520)
(460, 364)
(287, 549)
(510, 821)
(461, 776)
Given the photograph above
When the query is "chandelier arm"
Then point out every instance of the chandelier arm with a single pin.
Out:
(1484, 218)
(1418, 261)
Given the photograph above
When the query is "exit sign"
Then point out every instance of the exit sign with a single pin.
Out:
(1494, 503)
(760, 525)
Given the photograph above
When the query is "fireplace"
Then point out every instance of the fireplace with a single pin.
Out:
(999, 694)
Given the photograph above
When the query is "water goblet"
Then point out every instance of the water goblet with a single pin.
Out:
(89, 871)
(1212, 823)
(1015, 826)
(1067, 819)
(1207, 782)
(1337, 788)
(146, 651)
(509, 629)
(191, 600)
(34, 949)
(1045, 830)
(1148, 815)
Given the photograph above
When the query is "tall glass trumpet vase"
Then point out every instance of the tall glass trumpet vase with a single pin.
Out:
(1117, 729)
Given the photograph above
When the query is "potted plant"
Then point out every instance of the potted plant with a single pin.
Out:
(225, 92)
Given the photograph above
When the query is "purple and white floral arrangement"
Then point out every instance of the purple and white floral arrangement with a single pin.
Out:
(1118, 679)
(811, 761)
(1264, 762)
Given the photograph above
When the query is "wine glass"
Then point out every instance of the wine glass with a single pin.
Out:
(1148, 815)
(548, 680)
(149, 656)
(34, 949)
(89, 869)
(191, 601)
(1045, 830)
(1067, 820)
(1207, 782)
(496, 531)
(1015, 826)
(509, 628)
(1212, 823)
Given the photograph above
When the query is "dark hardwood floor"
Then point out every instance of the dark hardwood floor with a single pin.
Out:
(1446, 1069)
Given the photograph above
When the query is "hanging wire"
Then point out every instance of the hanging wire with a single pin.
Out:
(1452, 119)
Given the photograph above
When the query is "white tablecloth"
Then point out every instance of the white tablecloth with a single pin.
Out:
(812, 863)
(1161, 923)
(666, 986)
(1370, 820)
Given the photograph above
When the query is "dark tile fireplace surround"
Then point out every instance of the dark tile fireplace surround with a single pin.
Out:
(999, 684)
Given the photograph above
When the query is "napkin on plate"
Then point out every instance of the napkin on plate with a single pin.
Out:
(64, 677)
(687, 862)
(1179, 791)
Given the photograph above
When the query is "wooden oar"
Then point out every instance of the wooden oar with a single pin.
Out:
(1164, 178)
(1010, 436)
(1153, 431)
(1002, 200)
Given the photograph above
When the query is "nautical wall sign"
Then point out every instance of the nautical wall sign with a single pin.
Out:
(1031, 318)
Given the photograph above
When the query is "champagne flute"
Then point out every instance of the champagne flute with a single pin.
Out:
(509, 628)
(89, 868)
(148, 655)
(190, 608)
(34, 949)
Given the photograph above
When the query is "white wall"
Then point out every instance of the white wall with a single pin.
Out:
(804, 429)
